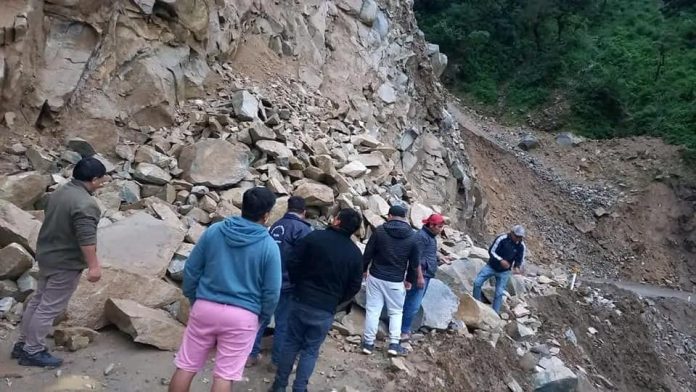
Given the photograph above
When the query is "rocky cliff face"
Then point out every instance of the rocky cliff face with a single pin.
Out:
(116, 71)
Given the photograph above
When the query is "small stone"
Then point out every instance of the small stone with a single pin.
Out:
(109, 369)
(152, 174)
(246, 106)
(592, 331)
(75, 343)
(544, 279)
(81, 146)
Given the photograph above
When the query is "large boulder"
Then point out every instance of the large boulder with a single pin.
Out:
(315, 194)
(378, 205)
(246, 106)
(14, 261)
(17, 225)
(24, 189)
(555, 377)
(460, 275)
(439, 62)
(154, 327)
(86, 307)
(439, 305)
(274, 149)
(279, 209)
(151, 174)
(215, 163)
(418, 213)
(478, 315)
(140, 244)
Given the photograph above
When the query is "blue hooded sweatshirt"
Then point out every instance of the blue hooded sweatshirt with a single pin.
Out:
(235, 262)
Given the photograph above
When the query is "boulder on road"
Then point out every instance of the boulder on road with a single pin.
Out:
(24, 189)
(315, 194)
(439, 305)
(569, 139)
(17, 225)
(478, 315)
(140, 244)
(86, 306)
(215, 163)
(528, 142)
(14, 261)
(149, 326)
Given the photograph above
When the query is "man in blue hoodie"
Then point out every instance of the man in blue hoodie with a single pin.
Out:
(392, 256)
(286, 232)
(233, 279)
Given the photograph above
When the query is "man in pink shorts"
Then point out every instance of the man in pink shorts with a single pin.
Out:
(233, 280)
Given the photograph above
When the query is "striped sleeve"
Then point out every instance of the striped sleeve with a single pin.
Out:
(494, 248)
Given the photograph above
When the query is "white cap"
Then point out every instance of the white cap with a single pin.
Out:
(518, 230)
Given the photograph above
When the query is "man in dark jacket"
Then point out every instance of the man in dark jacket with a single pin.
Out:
(506, 253)
(326, 270)
(392, 254)
(286, 232)
(426, 236)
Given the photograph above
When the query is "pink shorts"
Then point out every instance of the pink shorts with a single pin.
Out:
(229, 328)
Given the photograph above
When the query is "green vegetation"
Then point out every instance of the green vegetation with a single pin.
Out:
(625, 67)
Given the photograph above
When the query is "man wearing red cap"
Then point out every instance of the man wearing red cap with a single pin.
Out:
(427, 240)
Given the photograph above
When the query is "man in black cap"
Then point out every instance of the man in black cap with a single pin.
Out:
(392, 257)
(287, 231)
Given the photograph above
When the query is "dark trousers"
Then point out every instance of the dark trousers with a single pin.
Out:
(281, 321)
(307, 328)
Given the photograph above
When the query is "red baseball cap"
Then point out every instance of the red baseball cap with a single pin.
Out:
(434, 219)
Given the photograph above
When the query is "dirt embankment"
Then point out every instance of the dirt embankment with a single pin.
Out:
(616, 209)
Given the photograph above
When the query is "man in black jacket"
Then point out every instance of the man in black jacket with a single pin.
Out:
(286, 232)
(392, 256)
(506, 253)
(326, 270)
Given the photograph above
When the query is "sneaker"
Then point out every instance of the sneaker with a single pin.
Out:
(40, 359)
(405, 337)
(17, 350)
(395, 349)
(368, 348)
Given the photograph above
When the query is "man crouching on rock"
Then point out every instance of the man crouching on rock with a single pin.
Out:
(506, 253)
(233, 280)
(67, 244)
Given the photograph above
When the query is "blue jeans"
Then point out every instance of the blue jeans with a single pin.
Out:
(501, 281)
(281, 317)
(307, 329)
(414, 298)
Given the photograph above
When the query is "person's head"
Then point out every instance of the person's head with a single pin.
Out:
(435, 223)
(397, 212)
(257, 204)
(347, 220)
(296, 205)
(91, 172)
(517, 233)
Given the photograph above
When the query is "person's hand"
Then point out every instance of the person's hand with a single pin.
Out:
(421, 282)
(407, 285)
(94, 274)
(505, 264)
(517, 271)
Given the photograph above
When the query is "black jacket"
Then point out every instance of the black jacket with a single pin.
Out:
(286, 232)
(325, 269)
(393, 253)
(503, 248)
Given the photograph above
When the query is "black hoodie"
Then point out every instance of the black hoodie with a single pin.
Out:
(392, 253)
